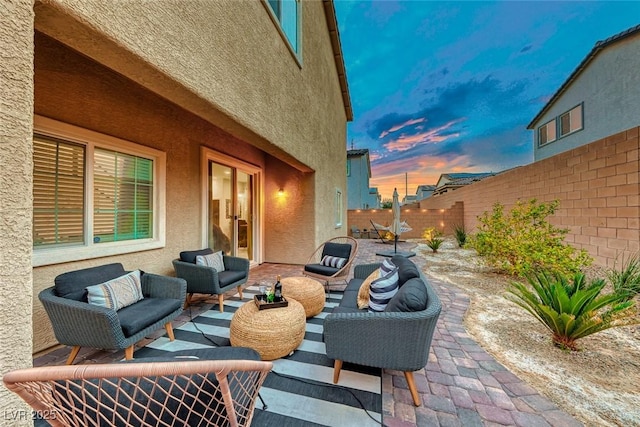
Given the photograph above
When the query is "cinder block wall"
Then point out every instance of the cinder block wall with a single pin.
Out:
(419, 218)
(596, 184)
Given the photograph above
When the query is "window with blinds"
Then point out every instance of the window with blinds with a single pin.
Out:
(122, 194)
(94, 195)
(122, 197)
(58, 192)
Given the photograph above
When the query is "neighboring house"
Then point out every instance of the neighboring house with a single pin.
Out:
(451, 181)
(359, 194)
(424, 191)
(155, 129)
(598, 99)
(409, 199)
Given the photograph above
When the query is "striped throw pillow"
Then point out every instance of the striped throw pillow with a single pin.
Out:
(117, 293)
(213, 260)
(333, 261)
(382, 290)
(386, 267)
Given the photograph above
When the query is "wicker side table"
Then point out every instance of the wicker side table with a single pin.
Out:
(274, 333)
(305, 290)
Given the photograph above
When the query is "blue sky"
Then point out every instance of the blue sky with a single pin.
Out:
(442, 87)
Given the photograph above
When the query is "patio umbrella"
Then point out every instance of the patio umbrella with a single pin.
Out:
(396, 225)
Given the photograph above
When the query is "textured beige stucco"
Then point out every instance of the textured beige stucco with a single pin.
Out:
(288, 121)
(16, 105)
(226, 62)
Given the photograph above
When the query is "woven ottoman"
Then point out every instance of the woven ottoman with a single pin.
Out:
(307, 291)
(274, 333)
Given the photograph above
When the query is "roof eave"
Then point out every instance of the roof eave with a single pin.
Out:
(600, 45)
(332, 23)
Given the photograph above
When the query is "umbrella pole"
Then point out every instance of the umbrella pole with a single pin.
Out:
(395, 244)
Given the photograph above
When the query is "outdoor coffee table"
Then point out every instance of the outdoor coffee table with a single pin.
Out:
(274, 333)
(305, 290)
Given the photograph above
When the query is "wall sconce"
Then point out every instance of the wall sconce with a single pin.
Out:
(281, 192)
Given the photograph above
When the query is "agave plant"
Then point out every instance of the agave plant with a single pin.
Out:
(460, 234)
(626, 280)
(571, 309)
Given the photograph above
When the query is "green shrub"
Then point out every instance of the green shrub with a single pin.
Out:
(460, 234)
(433, 238)
(626, 281)
(571, 309)
(523, 240)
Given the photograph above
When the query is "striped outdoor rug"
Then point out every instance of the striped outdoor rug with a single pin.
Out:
(300, 390)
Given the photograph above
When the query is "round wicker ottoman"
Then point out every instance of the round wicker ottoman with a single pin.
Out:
(274, 333)
(307, 291)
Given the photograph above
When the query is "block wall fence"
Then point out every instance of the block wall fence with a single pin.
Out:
(597, 186)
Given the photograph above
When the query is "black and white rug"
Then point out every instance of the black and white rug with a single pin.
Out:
(300, 390)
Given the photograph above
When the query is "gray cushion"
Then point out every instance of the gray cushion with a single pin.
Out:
(190, 256)
(320, 269)
(72, 284)
(406, 269)
(354, 284)
(227, 277)
(412, 296)
(145, 312)
(349, 299)
(342, 250)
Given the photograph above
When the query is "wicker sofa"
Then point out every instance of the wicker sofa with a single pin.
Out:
(398, 338)
(78, 323)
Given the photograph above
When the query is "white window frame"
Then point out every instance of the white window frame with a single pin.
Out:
(551, 124)
(572, 113)
(88, 250)
(338, 215)
(296, 52)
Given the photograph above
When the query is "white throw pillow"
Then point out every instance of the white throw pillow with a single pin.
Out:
(117, 293)
(333, 261)
(213, 260)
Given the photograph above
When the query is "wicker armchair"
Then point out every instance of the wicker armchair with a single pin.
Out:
(207, 280)
(151, 392)
(79, 324)
(343, 247)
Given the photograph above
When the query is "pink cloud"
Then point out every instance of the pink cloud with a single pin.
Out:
(433, 136)
(400, 126)
(423, 170)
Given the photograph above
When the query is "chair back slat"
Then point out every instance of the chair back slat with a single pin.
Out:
(174, 393)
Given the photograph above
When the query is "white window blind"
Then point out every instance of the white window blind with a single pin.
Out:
(122, 197)
(58, 192)
(94, 195)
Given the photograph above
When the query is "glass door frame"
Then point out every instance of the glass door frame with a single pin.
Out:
(209, 155)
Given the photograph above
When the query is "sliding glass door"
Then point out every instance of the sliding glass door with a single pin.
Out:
(231, 207)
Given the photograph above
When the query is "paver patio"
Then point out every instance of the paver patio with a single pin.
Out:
(462, 385)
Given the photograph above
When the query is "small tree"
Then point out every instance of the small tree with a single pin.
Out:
(387, 204)
(571, 309)
(523, 240)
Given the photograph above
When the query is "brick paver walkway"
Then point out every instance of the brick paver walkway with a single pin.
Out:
(462, 385)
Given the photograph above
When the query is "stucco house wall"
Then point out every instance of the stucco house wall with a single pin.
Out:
(609, 87)
(225, 62)
(16, 104)
(205, 74)
(358, 195)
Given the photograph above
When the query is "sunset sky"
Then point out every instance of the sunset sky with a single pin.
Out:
(441, 87)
